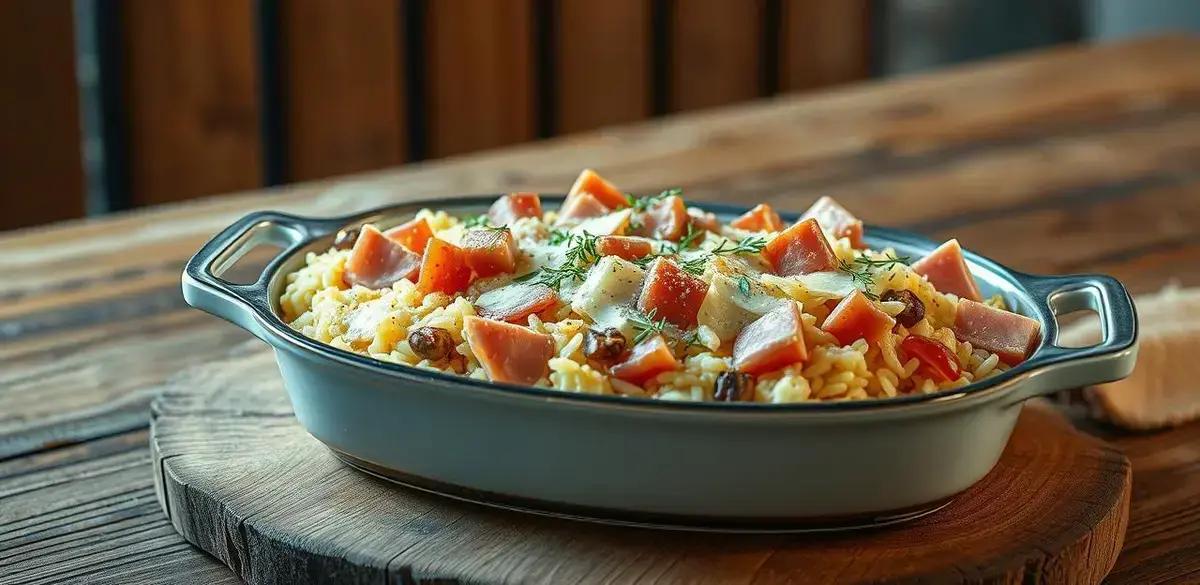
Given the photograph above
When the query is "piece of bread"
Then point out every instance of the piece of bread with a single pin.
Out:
(1164, 388)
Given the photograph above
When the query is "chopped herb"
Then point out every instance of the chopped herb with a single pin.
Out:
(744, 285)
(643, 203)
(554, 277)
(581, 254)
(645, 325)
(693, 338)
(747, 245)
(887, 262)
(695, 265)
(689, 239)
(558, 236)
(860, 271)
(645, 261)
(471, 221)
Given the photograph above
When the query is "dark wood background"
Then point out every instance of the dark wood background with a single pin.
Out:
(213, 96)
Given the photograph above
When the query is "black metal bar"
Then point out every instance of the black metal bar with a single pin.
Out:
(661, 56)
(412, 23)
(103, 114)
(545, 56)
(272, 130)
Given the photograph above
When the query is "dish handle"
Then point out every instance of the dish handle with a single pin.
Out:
(240, 304)
(1054, 367)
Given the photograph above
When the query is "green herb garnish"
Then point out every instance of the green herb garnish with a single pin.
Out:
(747, 245)
(646, 326)
(743, 285)
(640, 204)
(695, 265)
(581, 254)
(860, 271)
(472, 221)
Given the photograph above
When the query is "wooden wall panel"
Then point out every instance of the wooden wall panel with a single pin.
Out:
(480, 74)
(343, 86)
(191, 97)
(602, 63)
(41, 168)
(823, 43)
(716, 52)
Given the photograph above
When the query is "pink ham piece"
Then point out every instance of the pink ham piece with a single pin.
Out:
(1010, 336)
(509, 353)
(582, 206)
(800, 249)
(947, 270)
(774, 341)
(646, 360)
(514, 206)
(378, 261)
(856, 317)
(839, 222)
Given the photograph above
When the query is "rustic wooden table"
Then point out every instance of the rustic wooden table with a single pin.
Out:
(1079, 159)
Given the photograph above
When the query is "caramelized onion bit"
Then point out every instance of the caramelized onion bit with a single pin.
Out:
(605, 346)
(733, 386)
(914, 309)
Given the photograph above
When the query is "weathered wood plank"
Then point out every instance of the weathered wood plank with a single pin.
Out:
(242, 480)
(191, 91)
(823, 43)
(344, 85)
(40, 144)
(716, 53)
(602, 63)
(481, 80)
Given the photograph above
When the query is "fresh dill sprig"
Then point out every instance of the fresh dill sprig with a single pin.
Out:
(860, 272)
(581, 254)
(688, 240)
(554, 277)
(645, 325)
(743, 284)
(747, 245)
(640, 204)
(695, 265)
(558, 236)
(471, 221)
(887, 262)
(581, 249)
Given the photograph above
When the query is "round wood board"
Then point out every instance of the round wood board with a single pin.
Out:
(241, 479)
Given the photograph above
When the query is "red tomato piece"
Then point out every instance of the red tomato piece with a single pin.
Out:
(664, 220)
(444, 268)
(508, 353)
(490, 252)
(378, 261)
(1010, 336)
(856, 317)
(582, 206)
(647, 360)
(833, 217)
(672, 294)
(937, 361)
(773, 341)
(800, 249)
(762, 218)
(590, 182)
(627, 247)
(516, 302)
(946, 269)
(514, 206)
(413, 235)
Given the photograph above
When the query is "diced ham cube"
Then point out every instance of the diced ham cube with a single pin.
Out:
(672, 294)
(947, 270)
(627, 247)
(412, 235)
(516, 302)
(800, 249)
(703, 220)
(1010, 336)
(646, 360)
(602, 190)
(444, 268)
(856, 317)
(490, 252)
(664, 220)
(839, 222)
(582, 206)
(774, 341)
(509, 353)
(514, 206)
(762, 218)
(378, 261)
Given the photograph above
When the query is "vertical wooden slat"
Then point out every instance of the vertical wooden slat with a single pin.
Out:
(823, 43)
(716, 52)
(480, 74)
(190, 86)
(602, 63)
(343, 80)
(41, 168)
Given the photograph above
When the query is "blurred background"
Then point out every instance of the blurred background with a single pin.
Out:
(114, 104)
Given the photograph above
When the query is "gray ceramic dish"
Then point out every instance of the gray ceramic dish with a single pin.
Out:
(730, 466)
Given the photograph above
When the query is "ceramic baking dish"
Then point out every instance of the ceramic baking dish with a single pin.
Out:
(717, 465)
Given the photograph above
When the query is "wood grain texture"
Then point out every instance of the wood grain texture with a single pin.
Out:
(716, 53)
(602, 63)
(480, 74)
(344, 86)
(40, 142)
(1011, 156)
(191, 96)
(823, 43)
(228, 450)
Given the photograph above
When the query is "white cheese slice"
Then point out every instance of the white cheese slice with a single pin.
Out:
(612, 286)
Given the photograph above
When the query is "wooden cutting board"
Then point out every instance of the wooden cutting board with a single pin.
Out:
(241, 479)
